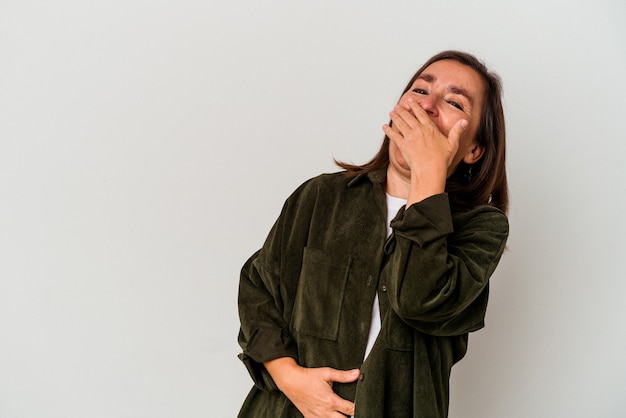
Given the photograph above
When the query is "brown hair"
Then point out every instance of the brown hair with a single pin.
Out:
(484, 182)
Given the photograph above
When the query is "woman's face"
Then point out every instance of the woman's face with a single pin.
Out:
(448, 91)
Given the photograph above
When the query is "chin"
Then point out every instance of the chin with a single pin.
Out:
(402, 164)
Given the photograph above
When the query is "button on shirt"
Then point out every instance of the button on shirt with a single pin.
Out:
(393, 206)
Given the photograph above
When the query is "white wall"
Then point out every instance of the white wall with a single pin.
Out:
(147, 146)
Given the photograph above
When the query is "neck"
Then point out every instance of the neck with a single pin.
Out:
(397, 185)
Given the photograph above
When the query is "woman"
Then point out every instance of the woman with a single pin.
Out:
(363, 295)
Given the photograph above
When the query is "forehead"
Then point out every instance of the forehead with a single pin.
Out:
(453, 74)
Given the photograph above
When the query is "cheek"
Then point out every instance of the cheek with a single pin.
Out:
(395, 154)
(469, 135)
(445, 122)
(448, 121)
(393, 150)
(466, 143)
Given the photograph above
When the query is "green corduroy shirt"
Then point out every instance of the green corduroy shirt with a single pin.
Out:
(308, 294)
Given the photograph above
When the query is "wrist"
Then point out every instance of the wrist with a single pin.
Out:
(423, 187)
(281, 369)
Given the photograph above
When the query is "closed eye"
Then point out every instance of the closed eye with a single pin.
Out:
(455, 104)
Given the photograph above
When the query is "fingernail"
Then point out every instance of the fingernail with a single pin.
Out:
(463, 123)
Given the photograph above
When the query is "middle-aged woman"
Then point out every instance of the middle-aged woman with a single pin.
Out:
(362, 297)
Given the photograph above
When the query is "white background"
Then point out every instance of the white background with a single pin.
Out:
(148, 145)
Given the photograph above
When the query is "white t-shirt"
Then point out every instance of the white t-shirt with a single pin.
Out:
(393, 206)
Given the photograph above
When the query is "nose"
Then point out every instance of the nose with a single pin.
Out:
(429, 104)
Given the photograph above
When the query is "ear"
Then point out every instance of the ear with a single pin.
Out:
(475, 153)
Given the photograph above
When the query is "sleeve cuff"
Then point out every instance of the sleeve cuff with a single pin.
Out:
(425, 221)
(266, 344)
(258, 373)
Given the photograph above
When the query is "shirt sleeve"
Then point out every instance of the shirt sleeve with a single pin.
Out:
(264, 332)
(440, 265)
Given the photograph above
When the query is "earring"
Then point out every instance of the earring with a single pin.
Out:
(468, 174)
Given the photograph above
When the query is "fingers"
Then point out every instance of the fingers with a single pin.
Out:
(310, 390)
(402, 119)
(342, 376)
(393, 134)
(412, 117)
(454, 135)
(345, 407)
(419, 113)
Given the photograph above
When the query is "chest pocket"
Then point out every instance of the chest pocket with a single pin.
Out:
(399, 334)
(320, 294)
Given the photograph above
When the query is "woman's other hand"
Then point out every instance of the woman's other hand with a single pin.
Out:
(310, 389)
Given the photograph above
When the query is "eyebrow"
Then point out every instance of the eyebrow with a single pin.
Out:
(453, 89)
